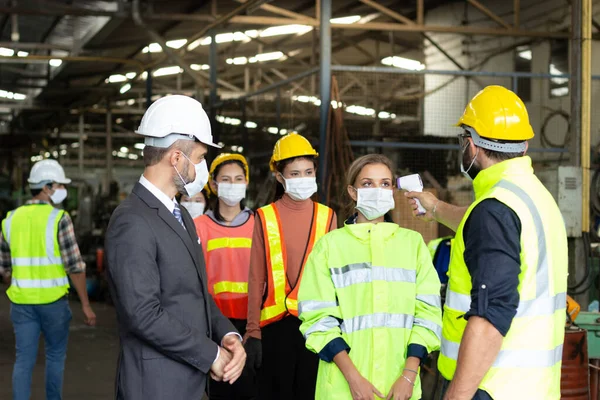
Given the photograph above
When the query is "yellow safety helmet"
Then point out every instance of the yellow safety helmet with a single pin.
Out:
(290, 146)
(499, 114)
(221, 158)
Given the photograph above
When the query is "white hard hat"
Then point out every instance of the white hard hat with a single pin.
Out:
(46, 171)
(173, 118)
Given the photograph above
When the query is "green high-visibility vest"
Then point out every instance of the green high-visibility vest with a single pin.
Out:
(529, 363)
(38, 274)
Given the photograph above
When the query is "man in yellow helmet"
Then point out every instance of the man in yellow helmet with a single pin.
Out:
(503, 326)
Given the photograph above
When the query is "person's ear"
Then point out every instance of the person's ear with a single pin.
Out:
(352, 193)
(279, 178)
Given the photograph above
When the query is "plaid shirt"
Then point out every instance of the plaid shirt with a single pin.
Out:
(69, 250)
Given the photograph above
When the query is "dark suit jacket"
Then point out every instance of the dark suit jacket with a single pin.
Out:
(169, 325)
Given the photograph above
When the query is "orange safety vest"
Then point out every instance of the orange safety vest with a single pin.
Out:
(281, 299)
(227, 254)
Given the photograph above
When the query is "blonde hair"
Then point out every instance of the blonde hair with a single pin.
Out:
(353, 172)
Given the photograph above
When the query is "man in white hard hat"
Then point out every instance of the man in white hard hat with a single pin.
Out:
(172, 333)
(38, 250)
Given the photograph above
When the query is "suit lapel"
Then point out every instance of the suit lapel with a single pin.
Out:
(172, 222)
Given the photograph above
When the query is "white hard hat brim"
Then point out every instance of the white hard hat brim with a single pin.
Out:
(65, 181)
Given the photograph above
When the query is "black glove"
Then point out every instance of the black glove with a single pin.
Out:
(253, 349)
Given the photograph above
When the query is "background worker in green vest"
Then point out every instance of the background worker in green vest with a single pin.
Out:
(38, 250)
(504, 316)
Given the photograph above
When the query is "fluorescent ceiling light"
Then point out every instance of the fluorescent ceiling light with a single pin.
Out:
(6, 52)
(198, 67)
(223, 38)
(228, 121)
(130, 75)
(346, 20)
(525, 54)
(285, 30)
(561, 91)
(556, 71)
(12, 96)
(132, 156)
(55, 62)
(22, 54)
(177, 43)
(237, 61)
(273, 130)
(124, 149)
(156, 48)
(139, 146)
(144, 75)
(404, 63)
(283, 132)
(74, 145)
(251, 125)
(125, 88)
(276, 55)
(168, 71)
(386, 115)
(63, 152)
(360, 110)
(152, 48)
(130, 102)
(117, 78)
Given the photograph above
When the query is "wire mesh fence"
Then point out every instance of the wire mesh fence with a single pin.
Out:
(408, 116)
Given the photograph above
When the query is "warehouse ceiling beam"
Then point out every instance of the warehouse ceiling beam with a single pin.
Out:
(38, 58)
(274, 21)
(489, 13)
(282, 11)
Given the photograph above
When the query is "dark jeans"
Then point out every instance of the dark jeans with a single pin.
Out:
(289, 370)
(244, 388)
(29, 321)
(479, 394)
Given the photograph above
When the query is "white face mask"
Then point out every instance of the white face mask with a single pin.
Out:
(195, 209)
(231, 193)
(196, 186)
(300, 189)
(374, 202)
(58, 196)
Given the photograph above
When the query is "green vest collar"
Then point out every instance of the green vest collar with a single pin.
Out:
(364, 231)
(489, 177)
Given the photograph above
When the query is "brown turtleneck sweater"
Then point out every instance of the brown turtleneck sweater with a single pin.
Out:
(295, 221)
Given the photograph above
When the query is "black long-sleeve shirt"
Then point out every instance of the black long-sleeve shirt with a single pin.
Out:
(492, 236)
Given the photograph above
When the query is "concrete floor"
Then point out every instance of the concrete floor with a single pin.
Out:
(91, 357)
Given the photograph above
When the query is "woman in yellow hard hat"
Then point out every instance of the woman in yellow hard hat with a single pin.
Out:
(284, 235)
(225, 232)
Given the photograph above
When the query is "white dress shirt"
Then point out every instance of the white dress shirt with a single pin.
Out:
(170, 204)
(159, 194)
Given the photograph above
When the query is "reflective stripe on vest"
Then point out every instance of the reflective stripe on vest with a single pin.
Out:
(230, 287)
(7, 227)
(513, 358)
(281, 298)
(39, 283)
(229, 242)
(353, 274)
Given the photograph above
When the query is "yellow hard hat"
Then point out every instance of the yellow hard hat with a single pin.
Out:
(221, 158)
(290, 146)
(499, 114)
